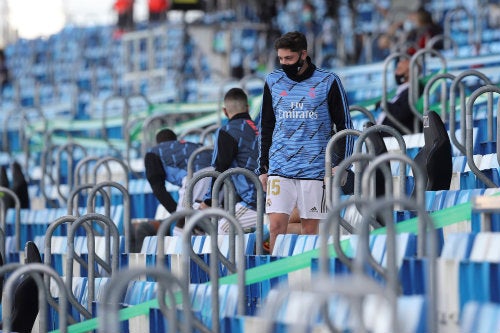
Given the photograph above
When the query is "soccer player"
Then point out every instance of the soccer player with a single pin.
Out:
(302, 107)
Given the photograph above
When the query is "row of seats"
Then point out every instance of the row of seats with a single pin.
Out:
(408, 301)
(380, 246)
(381, 241)
(34, 222)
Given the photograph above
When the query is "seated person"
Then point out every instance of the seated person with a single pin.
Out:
(399, 105)
(167, 162)
(236, 146)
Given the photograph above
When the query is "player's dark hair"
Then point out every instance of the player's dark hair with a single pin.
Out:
(165, 135)
(294, 41)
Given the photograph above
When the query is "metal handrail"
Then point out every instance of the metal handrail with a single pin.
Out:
(73, 196)
(328, 161)
(105, 112)
(147, 128)
(445, 38)
(444, 99)
(164, 227)
(331, 226)
(364, 111)
(24, 140)
(108, 311)
(46, 168)
(191, 182)
(128, 140)
(452, 123)
(414, 90)
(207, 131)
(191, 131)
(402, 148)
(106, 160)
(69, 148)
(203, 220)
(47, 260)
(333, 199)
(428, 248)
(84, 162)
(469, 128)
(192, 157)
(447, 24)
(418, 176)
(111, 267)
(247, 78)
(127, 121)
(127, 228)
(217, 186)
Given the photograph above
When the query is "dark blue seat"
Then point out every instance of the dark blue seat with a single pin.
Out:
(25, 306)
(435, 157)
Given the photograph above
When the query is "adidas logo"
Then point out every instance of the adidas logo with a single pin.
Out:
(313, 210)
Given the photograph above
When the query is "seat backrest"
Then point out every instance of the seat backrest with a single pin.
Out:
(380, 148)
(32, 254)
(4, 182)
(25, 308)
(20, 185)
(435, 157)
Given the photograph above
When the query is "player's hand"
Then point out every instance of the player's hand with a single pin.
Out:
(343, 180)
(263, 181)
(203, 206)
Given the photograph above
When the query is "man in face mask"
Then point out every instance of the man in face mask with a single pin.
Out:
(399, 105)
(302, 107)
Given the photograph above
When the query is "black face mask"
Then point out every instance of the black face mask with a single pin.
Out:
(400, 78)
(293, 69)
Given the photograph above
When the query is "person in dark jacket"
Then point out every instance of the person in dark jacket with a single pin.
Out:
(303, 106)
(399, 105)
(167, 162)
(236, 146)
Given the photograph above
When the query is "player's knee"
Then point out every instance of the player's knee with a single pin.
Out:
(278, 227)
(310, 227)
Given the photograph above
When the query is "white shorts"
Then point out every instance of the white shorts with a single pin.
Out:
(199, 189)
(246, 217)
(284, 194)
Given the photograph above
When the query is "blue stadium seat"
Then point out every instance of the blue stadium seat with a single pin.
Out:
(480, 317)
